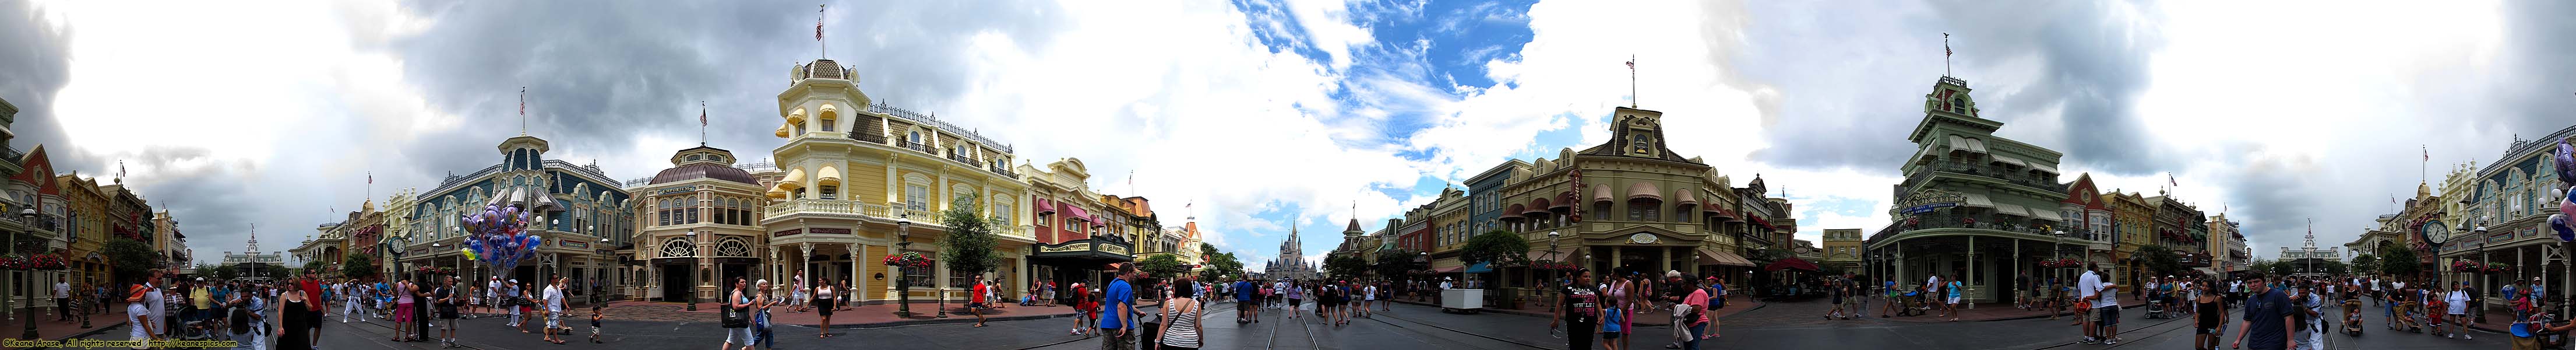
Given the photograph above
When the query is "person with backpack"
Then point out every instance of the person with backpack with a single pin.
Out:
(733, 317)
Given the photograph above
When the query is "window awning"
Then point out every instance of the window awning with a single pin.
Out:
(2043, 214)
(795, 179)
(1076, 212)
(1709, 256)
(2007, 160)
(777, 193)
(1976, 145)
(1646, 190)
(1536, 206)
(1977, 200)
(1720, 212)
(827, 177)
(1600, 193)
(1684, 197)
(1045, 206)
(2010, 209)
(1560, 256)
(2043, 168)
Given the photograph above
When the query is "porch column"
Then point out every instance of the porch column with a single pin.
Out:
(2017, 270)
(1615, 252)
(1970, 277)
(862, 283)
(1667, 258)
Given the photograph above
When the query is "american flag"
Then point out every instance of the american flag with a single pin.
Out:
(818, 21)
(2169, 180)
(371, 178)
(702, 113)
(523, 101)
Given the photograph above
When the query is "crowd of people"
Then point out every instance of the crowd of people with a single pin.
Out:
(1602, 310)
(281, 314)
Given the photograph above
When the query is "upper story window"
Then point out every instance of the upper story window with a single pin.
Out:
(828, 124)
(1641, 143)
(1958, 105)
(914, 136)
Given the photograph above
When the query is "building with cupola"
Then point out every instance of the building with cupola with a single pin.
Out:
(2501, 217)
(860, 180)
(577, 209)
(1974, 206)
(700, 223)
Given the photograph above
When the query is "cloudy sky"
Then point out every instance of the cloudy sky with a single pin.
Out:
(1264, 113)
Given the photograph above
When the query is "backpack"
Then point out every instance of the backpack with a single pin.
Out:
(733, 318)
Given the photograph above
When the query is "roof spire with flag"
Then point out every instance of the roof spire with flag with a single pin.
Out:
(1632, 81)
(523, 111)
(1945, 54)
(819, 12)
(702, 123)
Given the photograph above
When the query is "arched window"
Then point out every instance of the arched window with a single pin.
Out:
(733, 246)
(1958, 105)
(676, 247)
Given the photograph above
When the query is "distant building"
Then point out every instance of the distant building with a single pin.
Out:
(250, 264)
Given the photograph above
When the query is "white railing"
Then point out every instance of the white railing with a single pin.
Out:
(834, 206)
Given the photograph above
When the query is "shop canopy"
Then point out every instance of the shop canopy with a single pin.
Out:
(1790, 263)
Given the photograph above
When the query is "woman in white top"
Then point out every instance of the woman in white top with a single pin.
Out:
(1181, 314)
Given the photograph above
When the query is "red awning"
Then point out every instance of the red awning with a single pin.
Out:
(1538, 205)
(1077, 212)
(1451, 269)
(1045, 206)
(1516, 209)
(1684, 197)
(1790, 263)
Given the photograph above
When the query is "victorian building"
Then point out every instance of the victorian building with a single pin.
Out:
(252, 264)
(1842, 249)
(700, 221)
(1075, 230)
(576, 208)
(1630, 204)
(2504, 216)
(1964, 211)
(2307, 259)
(860, 180)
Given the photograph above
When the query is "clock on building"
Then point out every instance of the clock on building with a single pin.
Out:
(2436, 233)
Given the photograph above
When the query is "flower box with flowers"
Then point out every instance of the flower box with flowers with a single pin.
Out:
(907, 259)
(2468, 267)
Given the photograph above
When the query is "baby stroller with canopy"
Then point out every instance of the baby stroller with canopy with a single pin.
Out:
(2352, 317)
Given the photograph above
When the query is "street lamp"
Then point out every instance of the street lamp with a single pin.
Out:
(903, 284)
(2058, 250)
(595, 286)
(29, 215)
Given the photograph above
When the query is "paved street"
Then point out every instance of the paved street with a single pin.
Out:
(1794, 325)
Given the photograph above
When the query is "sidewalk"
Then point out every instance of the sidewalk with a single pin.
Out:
(2004, 311)
(862, 316)
(1735, 304)
(47, 327)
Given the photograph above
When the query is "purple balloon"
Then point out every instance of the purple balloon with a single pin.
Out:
(2558, 223)
(2566, 163)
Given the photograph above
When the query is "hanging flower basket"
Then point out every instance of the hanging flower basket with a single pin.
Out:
(2499, 268)
(907, 259)
(434, 271)
(44, 262)
(2467, 267)
(1544, 264)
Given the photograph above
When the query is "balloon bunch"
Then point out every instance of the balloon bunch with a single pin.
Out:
(2566, 161)
(498, 236)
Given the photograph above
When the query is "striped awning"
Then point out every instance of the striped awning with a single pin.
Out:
(1977, 200)
(2010, 209)
(1709, 256)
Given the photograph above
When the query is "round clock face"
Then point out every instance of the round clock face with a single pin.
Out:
(2436, 233)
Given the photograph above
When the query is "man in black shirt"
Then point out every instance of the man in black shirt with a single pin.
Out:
(2267, 317)
(1579, 309)
(2021, 285)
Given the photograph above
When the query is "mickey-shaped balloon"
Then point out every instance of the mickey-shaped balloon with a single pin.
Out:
(2558, 223)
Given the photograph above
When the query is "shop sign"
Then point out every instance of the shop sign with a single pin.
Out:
(1928, 199)
(572, 243)
(829, 231)
(789, 232)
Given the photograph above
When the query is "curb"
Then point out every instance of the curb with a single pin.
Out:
(1527, 314)
(952, 318)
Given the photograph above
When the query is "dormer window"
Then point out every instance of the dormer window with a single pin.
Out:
(1641, 143)
(1958, 105)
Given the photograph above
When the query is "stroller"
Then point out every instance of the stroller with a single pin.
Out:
(2352, 317)
(1913, 304)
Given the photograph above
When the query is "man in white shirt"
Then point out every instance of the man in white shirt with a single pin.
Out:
(63, 300)
(554, 295)
(492, 293)
(2089, 287)
(796, 286)
(2459, 300)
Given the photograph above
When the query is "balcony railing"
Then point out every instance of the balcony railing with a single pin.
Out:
(834, 206)
(998, 168)
(962, 159)
(13, 155)
(2004, 174)
(915, 146)
(1989, 222)
(868, 137)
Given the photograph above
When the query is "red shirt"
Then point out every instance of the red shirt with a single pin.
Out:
(979, 293)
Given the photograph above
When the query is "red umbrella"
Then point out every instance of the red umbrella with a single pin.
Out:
(1790, 263)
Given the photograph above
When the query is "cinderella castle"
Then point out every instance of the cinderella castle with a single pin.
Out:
(1291, 263)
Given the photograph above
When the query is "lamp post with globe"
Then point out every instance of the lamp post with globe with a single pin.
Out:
(902, 284)
(29, 215)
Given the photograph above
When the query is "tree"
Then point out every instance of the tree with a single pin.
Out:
(1345, 265)
(2265, 266)
(1395, 263)
(131, 257)
(1219, 265)
(1498, 247)
(314, 266)
(1495, 248)
(2365, 264)
(224, 272)
(2160, 261)
(1163, 266)
(2399, 261)
(967, 247)
(359, 266)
